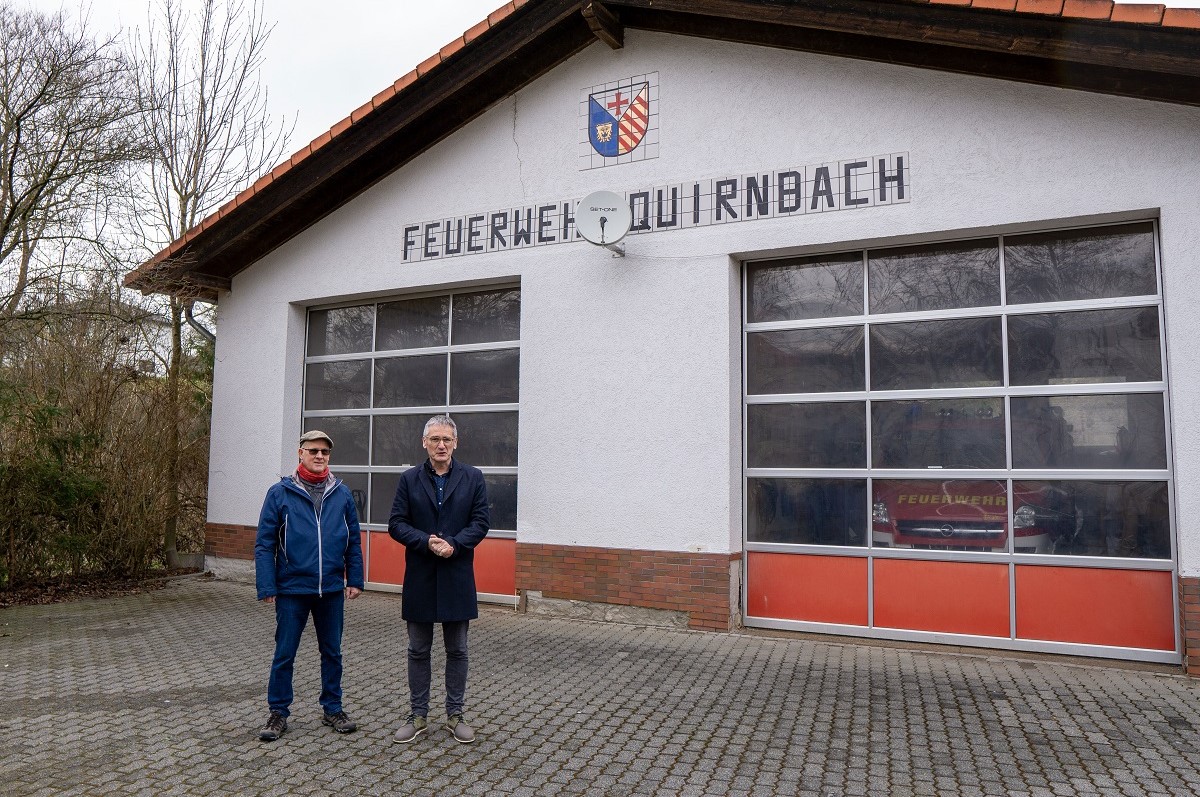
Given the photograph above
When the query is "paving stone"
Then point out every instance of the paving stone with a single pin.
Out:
(162, 694)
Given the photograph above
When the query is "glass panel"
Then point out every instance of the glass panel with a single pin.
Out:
(938, 433)
(397, 440)
(1122, 431)
(807, 511)
(827, 435)
(337, 386)
(502, 501)
(805, 361)
(418, 381)
(935, 277)
(485, 377)
(487, 317)
(350, 437)
(357, 482)
(342, 330)
(807, 287)
(1093, 518)
(1092, 346)
(937, 354)
(957, 515)
(487, 439)
(1080, 264)
(383, 492)
(413, 323)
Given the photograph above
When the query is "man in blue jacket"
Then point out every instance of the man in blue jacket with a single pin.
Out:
(439, 515)
(307, 559)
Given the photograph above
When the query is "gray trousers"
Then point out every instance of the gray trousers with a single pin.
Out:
(420, 642)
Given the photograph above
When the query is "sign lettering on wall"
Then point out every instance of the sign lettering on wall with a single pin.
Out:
(865, 182)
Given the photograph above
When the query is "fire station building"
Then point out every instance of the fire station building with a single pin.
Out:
(901, 344)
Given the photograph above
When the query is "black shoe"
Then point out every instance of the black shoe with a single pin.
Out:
(339, 722)
(276, 726)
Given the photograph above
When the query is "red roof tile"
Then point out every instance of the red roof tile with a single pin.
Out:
(1181, 18)
(1053, 7)
(1144, 15)
(999, 5)
(1088, 9)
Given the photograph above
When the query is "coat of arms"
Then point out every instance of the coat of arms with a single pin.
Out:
(618, 119)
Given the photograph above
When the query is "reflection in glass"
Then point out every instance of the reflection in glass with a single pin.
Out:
(383, 493)
(502, 501)
(805, 287)
(350, 435)
(413, 323)
(397, 440)
(956, 515)
(826, 435)
(357, 484)
(1108, 431)
(487, 317)
(1080, 264)
(418, 381)
(1098, 518)
(337, 385)
(487, 439)
(1087, 346)
(807, 511)
(964, 352)
(934, 277)
(342, 330)
(805, 361)
(945, 433)
(484, 377)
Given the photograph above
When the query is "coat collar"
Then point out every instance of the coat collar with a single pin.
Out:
(453, 477)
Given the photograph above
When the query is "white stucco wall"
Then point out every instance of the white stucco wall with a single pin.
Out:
(630, 368)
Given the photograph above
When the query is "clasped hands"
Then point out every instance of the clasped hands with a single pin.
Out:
(440, 547)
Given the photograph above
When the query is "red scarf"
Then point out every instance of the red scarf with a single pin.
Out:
(309, 476)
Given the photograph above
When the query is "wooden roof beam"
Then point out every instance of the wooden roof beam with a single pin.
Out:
(604, 24)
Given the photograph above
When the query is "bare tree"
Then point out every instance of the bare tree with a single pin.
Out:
(205, 114)
(68, 115)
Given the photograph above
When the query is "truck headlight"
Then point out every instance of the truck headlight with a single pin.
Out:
(879, 513)
(1025, 517)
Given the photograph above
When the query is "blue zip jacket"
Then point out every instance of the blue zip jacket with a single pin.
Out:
(295, 553)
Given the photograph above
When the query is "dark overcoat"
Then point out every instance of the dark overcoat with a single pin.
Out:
(438, 590)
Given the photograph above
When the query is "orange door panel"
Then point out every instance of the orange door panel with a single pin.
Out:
(820, 589)
(496, 566)
(1094, 606)
(946, 597)
(386, 563)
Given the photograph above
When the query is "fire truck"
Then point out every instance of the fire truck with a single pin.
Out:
(967, 515)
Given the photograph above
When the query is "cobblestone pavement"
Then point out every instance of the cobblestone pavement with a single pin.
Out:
(162, 694)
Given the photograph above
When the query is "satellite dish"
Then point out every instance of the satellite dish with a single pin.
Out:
(604, 218)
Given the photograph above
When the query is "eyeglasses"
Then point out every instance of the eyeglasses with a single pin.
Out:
(439, 440)
(317, 452)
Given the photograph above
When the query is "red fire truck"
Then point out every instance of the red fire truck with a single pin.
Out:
(965, 515)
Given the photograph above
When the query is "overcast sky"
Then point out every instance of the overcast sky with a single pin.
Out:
(325, 58)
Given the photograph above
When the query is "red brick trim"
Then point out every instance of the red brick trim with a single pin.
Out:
(703, 585)
(1189, 623)
(229, 540)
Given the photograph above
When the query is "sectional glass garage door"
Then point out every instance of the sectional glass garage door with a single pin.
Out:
(963, 441)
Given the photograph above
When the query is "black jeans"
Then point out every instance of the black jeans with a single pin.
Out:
(420, 642)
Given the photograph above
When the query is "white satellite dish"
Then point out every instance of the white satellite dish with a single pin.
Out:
(604, 218)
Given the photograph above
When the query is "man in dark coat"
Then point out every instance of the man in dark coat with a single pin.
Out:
(439, 515)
